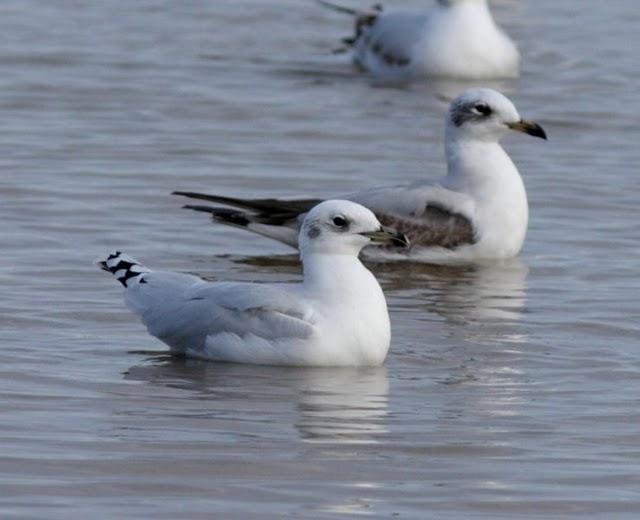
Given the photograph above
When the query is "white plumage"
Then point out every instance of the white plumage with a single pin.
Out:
(336, 317)
(457, 38)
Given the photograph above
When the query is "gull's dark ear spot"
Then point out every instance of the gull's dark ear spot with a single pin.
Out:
(313, 232)
(461, 113)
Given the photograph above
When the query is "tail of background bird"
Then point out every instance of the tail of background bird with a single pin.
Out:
(273, 218)
(338, 8)
(363, 20)
(124, 268)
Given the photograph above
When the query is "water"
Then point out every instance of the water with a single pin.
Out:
(510, 391)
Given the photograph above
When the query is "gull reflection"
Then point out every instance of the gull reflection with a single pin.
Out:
(491, 292)
(340, 405)
(343, 405)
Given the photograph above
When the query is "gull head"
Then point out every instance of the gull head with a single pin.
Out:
(484, 114)
(344, 227)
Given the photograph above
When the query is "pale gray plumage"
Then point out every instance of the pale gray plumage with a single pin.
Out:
(336, 317)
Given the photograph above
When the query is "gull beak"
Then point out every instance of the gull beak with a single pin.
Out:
(387, 236)
(528, 127)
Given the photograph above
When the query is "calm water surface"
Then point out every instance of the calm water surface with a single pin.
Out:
(511, 391)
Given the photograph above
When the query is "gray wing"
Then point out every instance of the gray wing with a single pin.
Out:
(268, 311)
(390, 39)
(183, 310)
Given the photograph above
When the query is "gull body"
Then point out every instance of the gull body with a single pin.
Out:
(336, 317)
(457, 38)
(478, 211)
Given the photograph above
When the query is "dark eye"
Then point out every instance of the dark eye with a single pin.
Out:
(483, 109)
(339, 221)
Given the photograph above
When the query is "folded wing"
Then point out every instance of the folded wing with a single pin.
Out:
(429, 214)
(389, 42)
(186, 312)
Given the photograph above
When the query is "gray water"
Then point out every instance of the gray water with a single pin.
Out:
(511, 391)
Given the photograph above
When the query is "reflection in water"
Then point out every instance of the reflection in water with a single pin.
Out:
(339, 405)
(343, 405)
(246, 416)
(480, 292)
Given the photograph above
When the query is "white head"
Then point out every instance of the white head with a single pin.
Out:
(342, 227)
(484, 114)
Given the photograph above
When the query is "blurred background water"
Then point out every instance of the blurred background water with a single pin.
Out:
(511, 391)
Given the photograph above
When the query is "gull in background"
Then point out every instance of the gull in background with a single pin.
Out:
(456, 39)
(336, 317)
(478, 211)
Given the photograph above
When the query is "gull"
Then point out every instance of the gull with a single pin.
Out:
(457, 38)
(478, 211)
(336, 317)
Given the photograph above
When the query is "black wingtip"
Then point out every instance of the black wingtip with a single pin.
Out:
(103, 263)
(230, 216)
(123, 267)
(337, 8)
(190, 194)
(193, 207)
(224, 215)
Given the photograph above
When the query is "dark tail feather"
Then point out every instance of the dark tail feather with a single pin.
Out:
(211, 198)
(239, 218)
(363, 19)
(339, 8)
(123, 267)
(375, 8)
(227, 216)
(266, 207)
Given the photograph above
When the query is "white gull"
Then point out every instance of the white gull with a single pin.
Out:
(457, 39)
(478, 211)
(336, 317)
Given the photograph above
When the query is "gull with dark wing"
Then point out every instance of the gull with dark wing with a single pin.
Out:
(457, 38)
(478, 211)
(336, 317)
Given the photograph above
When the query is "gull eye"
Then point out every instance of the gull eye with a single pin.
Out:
(339, 221)
(483, 108)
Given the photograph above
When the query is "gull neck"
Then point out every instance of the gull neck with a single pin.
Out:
(478, 159)
(335, 273)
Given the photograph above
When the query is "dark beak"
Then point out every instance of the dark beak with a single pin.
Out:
(528, 127)
(387, 236)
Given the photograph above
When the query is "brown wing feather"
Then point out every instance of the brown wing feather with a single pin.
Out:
(437, 226)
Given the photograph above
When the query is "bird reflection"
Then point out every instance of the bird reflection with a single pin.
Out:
(343, 405)
(340, 405)
(490, 292)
